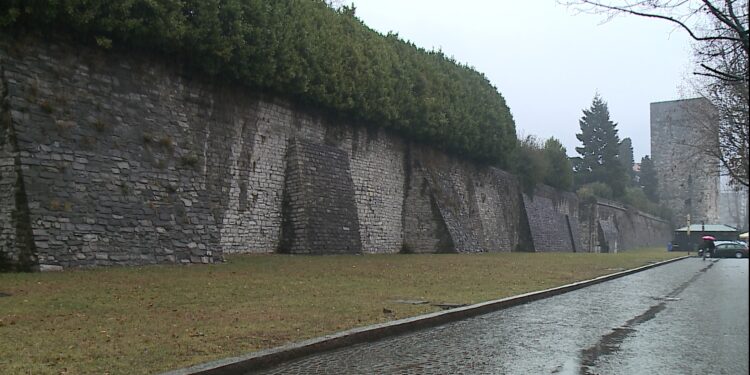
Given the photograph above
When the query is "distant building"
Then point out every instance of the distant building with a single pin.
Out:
(688, 179)
(637, 170)
(689, 238)
(733, 206)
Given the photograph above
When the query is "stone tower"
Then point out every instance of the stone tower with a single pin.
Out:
(688, 178)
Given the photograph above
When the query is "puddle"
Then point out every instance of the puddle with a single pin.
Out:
(446, 306)
(610, 343)
(411, 301)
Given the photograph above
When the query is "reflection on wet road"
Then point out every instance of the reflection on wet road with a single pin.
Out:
(687, 317)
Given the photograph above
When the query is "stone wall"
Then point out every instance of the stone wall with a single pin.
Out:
(377, 162)
(608, 226)
(129, 161)
(553, 220)
(455, 206)
(108, 159)
(425, 230)
(110, 165)
(17, 250)
(451, 184)
(320, 216)
(505, 223)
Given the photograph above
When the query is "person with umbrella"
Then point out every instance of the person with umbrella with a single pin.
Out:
(708, 246)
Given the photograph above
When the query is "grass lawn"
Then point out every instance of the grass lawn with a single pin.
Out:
(155, 318)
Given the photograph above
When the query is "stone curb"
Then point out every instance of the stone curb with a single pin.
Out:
(270, 357)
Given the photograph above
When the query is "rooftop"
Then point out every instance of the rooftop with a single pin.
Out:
(707, 228)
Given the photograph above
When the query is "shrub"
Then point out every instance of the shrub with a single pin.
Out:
(636, 197)
(530, 164)
(595, 189)
(302, 50)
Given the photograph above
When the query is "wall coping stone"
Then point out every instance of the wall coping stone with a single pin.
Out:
(622, 207)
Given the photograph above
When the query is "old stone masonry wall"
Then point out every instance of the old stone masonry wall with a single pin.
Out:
(112, 159)
(608, 226)
(553, 220)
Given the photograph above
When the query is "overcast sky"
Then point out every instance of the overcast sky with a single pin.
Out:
(547, 61)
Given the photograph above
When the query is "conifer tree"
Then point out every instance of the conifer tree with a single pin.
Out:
(627, 160)
(599, 160)
(649, 181)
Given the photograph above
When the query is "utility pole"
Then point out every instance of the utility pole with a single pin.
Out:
(689, 204)
(690, 243)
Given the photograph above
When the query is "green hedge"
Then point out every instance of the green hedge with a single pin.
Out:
(303, 50)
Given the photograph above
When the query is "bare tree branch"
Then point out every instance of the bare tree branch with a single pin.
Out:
(629, 9)
(719, 74)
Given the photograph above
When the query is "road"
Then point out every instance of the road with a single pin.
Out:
(686, 317)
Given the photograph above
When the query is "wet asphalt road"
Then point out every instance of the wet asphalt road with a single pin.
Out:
(687, 317)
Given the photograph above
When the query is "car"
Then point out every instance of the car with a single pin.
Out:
(730, 249)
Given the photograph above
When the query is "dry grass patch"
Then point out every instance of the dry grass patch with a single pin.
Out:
(155, 318)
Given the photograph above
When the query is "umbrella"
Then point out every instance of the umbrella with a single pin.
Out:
(709, 238)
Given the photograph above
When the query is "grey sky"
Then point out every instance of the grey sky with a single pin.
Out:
(547, 61)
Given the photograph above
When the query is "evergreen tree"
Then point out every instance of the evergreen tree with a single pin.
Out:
(599, 161)
(560, 172)
(627, 160)
(649, 180)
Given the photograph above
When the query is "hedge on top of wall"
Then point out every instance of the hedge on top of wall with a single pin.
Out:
(299, 49)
